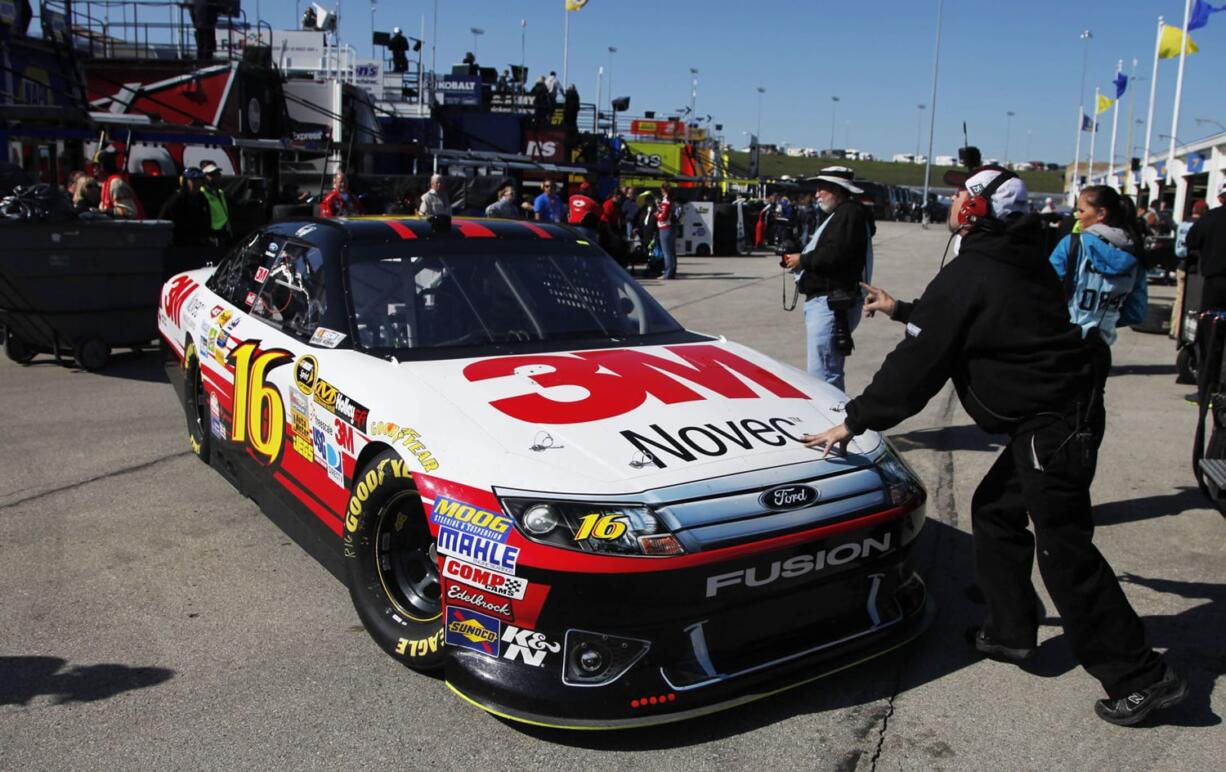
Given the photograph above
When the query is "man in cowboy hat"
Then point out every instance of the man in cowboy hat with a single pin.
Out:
(994, 320)
(829, 270)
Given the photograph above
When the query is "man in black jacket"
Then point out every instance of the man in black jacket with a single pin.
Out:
(189, 211)
(995, 321)
(1207, 247)
(829, 271)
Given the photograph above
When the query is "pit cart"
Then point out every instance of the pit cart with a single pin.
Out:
(81, 287)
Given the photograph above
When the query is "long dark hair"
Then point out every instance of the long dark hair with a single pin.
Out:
(1121, 211)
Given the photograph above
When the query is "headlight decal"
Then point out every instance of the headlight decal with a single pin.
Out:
(631, 530)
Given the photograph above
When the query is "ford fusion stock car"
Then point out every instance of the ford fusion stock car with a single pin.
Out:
(534, 479)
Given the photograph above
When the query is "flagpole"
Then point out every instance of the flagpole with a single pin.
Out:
(1149, 118)
(1183, 57)
(565, 43)
(1132, 90)
(932, 114)
(1093, 136)
(1076, 183)
(1115, 123)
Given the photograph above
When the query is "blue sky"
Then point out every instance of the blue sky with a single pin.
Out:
(875, 56)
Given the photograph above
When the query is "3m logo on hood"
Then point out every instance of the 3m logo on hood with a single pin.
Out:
(788, 497)
(620, 380)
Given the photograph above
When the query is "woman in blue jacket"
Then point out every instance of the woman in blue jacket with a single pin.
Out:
(1104, 282)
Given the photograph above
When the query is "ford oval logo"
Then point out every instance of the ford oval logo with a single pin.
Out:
(789, 497)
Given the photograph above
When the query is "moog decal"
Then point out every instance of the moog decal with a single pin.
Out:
(469, 519)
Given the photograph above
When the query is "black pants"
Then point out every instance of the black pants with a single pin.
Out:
(1214, 293)
(1041, 475)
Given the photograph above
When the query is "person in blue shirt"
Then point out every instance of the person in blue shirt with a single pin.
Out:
(1104, 282)
(548, 206)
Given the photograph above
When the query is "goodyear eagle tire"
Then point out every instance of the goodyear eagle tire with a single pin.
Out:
(196, 405)
(391, 564)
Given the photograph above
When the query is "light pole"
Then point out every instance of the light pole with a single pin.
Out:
(612, 50)
(1086, 35)
(523, 46)
(919, 132)
(834, 108)
(847, 133)
(1008, 121)
(1028, 133)
(761, 91)
(477, 32)
(693, 101)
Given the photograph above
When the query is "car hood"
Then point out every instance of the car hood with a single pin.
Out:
(623, 420)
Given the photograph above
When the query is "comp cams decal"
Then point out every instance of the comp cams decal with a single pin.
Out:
(486, 579)
(798, 565)
(617, 381)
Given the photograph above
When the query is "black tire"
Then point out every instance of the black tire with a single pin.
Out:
(1185, 365)
(196, 406)
(703, 251)
(391, 564)
(91, 354)
(16, 349)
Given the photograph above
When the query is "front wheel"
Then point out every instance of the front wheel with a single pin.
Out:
(392, 565)
(196, 405)
(16, 349)
(1185, 365)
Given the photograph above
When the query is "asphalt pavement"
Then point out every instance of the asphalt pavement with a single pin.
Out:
(152, 617)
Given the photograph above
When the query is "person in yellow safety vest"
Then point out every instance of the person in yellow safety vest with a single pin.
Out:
(219, 205)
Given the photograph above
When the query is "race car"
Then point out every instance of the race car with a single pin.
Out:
(534, 479)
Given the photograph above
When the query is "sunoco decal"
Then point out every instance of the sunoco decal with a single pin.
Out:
(475, 549)
(798, 565)
(469, 519)
(473, 630)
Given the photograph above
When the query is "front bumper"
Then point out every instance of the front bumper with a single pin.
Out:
(766, 630)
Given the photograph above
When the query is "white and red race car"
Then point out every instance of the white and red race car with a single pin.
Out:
(529, 475)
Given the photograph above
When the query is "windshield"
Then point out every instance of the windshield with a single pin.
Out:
(402, 300)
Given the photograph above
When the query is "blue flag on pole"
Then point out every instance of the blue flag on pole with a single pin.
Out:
(1086, 123)
(1200, 14)
(1121, 84)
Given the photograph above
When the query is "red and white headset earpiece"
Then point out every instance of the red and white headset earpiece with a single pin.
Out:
(978, 206)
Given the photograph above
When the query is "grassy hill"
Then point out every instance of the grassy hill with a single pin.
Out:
(882, 171)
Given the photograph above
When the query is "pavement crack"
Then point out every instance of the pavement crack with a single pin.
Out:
(885, 723)
(98, 478)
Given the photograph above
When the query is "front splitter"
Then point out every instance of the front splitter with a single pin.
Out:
(828, 665)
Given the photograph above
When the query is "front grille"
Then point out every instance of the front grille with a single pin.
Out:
(722, 521)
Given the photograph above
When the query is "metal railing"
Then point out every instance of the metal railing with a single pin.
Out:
(148, 30)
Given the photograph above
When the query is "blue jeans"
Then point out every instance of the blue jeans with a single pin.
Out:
(668, 246)
(823, 360)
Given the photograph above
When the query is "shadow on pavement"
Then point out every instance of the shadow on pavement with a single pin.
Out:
(950, 438)
(1147, 507)
(1150, 369)
(24, 678)
(144, 365)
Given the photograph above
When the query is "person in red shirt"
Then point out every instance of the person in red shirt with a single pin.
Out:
(613, 226)
(665, 218)
(584, 211)
(339, 202)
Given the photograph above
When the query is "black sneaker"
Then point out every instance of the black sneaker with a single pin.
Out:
(1132, 709)
(983, 644)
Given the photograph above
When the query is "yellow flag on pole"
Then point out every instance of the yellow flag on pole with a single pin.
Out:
(1104, 104)
(1172, 39)
(575, 5)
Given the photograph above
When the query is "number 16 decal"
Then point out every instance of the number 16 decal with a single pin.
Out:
(259, 413)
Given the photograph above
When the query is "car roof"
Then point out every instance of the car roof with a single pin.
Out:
(391, 229)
